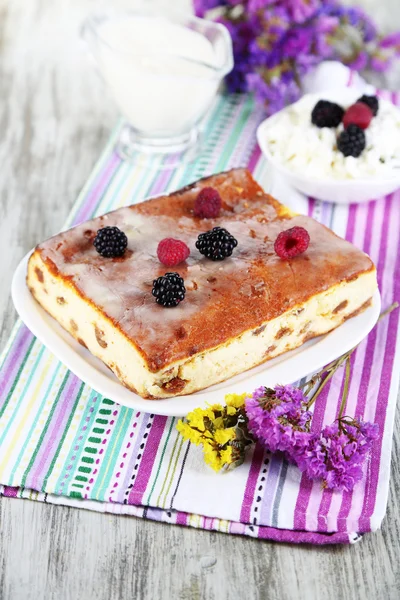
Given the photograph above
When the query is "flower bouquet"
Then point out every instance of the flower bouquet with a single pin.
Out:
(277, 42)
(280, 420)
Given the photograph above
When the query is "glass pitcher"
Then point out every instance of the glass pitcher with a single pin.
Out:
(163, 72)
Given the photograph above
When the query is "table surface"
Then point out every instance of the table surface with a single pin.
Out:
(54, 121)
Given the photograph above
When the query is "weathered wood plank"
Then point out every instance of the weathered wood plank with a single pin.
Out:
(54, 120)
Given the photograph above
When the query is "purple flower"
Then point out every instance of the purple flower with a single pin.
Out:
(380, 63)
(276, 93)
(296, 42)
(323, 47)
(236, 79)
(302, 10)
(391, 41)
(326, 23)
(337, 455)
(277, 42)
(258, 56)
(306, 62)
(360, 62)
(278, 419)
(256, 5)
(358, 18)
(277, 21)
(202, 6)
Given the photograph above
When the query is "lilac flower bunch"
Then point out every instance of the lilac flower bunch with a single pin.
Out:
(279, 419)
(276, 42)
(338, 453)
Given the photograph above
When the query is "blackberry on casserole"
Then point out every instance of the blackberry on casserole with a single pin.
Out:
(216, 244)
(110, 242)
(169, 290)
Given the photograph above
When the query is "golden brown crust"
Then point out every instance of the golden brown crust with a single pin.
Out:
(237, 295)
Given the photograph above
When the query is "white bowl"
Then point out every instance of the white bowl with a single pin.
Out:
(341, 191)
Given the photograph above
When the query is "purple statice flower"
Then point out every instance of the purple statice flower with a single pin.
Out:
(254, 6)
(258, 56)
(277, 42)
(258, 85)
(322, 46)
(337, 455)
(302, 10)
(359, 19)
(276, 93)
(202, 6)
(351, 15)
(326, 23)
(296, 42)
(243, 34)
(278, 419)
(277, 21)
(391, 41)
(305, 63)
(320, 32)
(360, 62)
(380, 63)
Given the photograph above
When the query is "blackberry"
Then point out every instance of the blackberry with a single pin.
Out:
(327, 114)
(351, 142)
(169, 289)
(110, 242)
(216, 244)
(371, 101)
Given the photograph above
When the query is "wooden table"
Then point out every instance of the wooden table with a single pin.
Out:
(54, 121)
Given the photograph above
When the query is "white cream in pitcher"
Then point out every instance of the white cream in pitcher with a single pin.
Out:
(159, 72)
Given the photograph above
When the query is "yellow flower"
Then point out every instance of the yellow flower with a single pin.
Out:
(226, 455)
(189, 433)
(218, 423)
(235, 400)
(231, 410)
(216, 407)
(223, 436)
(196, 418)
(211, 457)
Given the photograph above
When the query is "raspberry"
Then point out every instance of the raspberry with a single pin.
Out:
(207, 204)
(372, 102)
(292, 242)
(327, 114)
(171, 252)
(358, 114)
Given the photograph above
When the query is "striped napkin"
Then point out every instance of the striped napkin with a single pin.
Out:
(62, 442)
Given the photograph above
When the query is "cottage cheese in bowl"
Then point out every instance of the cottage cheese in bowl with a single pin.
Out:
(297, 144)
(308, 158)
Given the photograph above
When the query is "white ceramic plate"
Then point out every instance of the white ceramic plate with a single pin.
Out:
(284, 369)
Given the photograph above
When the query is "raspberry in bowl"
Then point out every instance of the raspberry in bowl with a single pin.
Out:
(337, 146)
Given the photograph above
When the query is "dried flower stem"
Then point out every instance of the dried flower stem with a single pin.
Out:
(345, 388)
(390, 309)
(328, 372)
